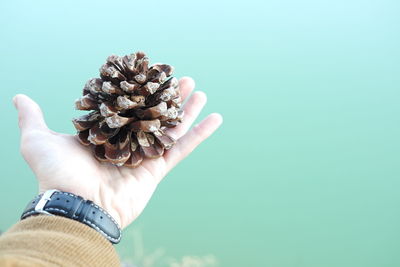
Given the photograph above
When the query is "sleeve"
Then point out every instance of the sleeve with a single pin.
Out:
(54, 240)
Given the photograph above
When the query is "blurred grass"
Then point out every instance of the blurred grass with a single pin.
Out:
(142, 257)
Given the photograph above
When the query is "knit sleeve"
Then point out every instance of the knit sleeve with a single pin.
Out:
(54, 240)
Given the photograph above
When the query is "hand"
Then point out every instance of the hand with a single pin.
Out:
(60, 162)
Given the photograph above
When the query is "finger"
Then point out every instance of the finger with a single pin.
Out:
(191, 111)
(30, 116)
(192, 139)
(186, 86)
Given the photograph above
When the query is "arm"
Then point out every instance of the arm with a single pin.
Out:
(60, 162)
(54, 240)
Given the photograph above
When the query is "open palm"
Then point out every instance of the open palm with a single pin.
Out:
(60, 162)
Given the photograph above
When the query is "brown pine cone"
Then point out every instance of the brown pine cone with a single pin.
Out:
(132, 104)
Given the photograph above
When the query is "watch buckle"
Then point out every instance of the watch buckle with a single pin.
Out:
(46, 197)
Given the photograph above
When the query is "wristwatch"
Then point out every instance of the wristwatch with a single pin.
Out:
(55, 202)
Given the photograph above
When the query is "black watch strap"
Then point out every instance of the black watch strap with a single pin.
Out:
(55, 202)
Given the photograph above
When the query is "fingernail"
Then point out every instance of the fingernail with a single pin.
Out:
(15, 101)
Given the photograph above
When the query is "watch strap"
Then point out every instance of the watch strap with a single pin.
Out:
(55, 202)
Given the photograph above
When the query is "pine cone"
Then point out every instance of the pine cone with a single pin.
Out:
(132, 104)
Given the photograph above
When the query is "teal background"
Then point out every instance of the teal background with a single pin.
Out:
(305, 169)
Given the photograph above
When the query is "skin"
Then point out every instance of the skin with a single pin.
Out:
(60, 162)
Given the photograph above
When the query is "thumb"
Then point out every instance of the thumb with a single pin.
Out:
(30, 115)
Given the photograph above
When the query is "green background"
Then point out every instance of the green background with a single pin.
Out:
(305, 169)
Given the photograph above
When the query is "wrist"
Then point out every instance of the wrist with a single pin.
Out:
(55, 202)
(87, 195)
